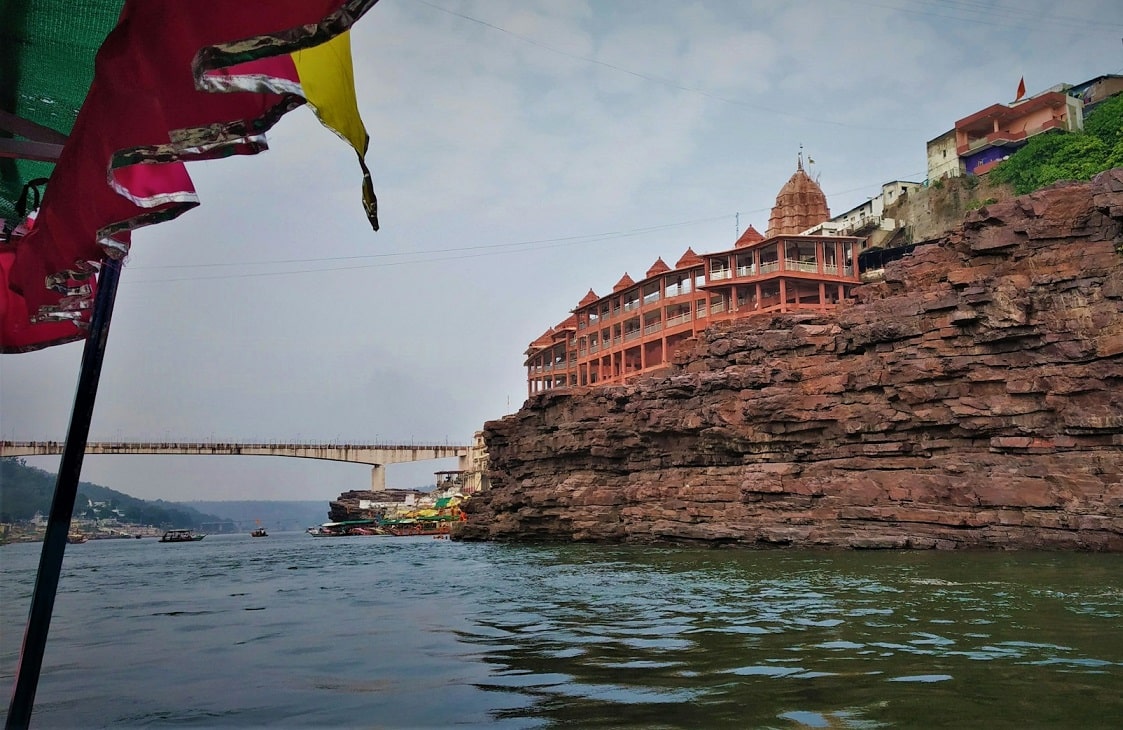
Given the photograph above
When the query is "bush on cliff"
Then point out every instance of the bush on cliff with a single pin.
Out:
(1048, 158)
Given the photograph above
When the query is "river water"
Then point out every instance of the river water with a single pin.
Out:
(375, 632)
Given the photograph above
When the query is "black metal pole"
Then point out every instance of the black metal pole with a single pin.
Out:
(62, 505)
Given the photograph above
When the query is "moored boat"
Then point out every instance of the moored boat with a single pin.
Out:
(76, 538)
(181, 536)
(259, 532)
(347, 528)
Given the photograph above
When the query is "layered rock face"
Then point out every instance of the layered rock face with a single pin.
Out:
(973, 398)
(350, 505)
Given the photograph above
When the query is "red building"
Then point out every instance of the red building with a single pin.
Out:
(637, 328)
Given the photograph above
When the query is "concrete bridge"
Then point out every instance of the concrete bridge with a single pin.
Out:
(377, 455)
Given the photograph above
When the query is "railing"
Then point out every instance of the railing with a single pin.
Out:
(629, 306)
(649, 298)
(678, 319)
(767, 267)
(594, 348)
(746, 270)
(629, 336)
(721, 274)
(652, 328)
(831, 269)
(719, 307)
(807, 266)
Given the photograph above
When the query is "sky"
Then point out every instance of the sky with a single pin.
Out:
(523, 152)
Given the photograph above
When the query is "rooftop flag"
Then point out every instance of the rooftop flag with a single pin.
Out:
(1021, 89)
(156, 101)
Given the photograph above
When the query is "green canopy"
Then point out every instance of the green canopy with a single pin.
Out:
(47, 50)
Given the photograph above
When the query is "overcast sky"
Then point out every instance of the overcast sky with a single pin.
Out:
(523, 151)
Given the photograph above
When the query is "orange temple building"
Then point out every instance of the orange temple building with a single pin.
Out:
(637, 328)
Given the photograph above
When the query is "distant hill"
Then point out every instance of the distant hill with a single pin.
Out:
(280, 516)
(25, 490)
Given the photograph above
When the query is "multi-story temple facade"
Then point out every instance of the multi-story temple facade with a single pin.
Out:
(637, 328)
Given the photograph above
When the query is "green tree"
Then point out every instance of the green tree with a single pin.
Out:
(1054, 156)
(1047, 158)
(1106, 121)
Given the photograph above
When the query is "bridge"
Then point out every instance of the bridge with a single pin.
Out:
(376, 455)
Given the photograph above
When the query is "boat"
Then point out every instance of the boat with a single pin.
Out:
(347, 528)
(259, 532)
(180, 536)
(76, 538)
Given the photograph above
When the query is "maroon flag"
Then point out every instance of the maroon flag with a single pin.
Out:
(19, 331)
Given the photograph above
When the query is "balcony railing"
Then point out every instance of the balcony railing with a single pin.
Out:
(746, 270)
(831, 269)
(629, 306)
(629, 336)
(654, 327)
(719, 307)
(678, 319)
(767, 267)
(721, 274)
(808, 266)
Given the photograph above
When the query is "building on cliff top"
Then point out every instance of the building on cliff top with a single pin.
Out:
(981, 140)
(638, 327)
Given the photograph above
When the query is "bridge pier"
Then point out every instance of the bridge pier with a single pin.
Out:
(378, 478)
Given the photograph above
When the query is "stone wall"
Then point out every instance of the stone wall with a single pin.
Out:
(974, 398)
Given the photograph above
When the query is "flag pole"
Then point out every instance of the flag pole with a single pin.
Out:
(62, 505)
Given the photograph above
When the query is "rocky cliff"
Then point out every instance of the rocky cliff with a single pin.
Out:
(973, 398)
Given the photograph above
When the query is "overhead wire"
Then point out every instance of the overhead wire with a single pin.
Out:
(753, 107)
(433, 255)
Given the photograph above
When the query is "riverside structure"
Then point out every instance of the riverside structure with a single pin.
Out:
(639, 326)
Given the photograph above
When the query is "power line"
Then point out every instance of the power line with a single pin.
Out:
(427, 257)
(585, 238)
(755, 108)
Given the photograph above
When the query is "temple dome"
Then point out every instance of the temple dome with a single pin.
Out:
(800, 205)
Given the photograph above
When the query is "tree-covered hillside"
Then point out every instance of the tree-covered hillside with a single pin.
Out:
(1048, 158)
(25, 490)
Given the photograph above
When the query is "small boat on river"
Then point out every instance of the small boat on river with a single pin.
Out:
(259, 532)
(181, 536)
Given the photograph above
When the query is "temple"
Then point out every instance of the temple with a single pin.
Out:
(638, 327)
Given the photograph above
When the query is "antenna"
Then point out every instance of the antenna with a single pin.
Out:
(737, 224)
